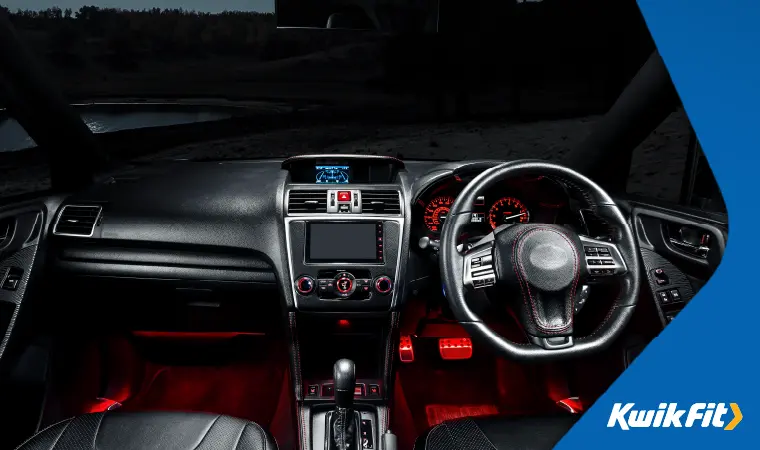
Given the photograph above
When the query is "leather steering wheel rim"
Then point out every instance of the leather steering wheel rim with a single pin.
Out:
(453, 262)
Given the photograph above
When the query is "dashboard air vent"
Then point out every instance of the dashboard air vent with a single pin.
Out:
(307, 201)
(77, 220)
(381, 202)
(6, 231)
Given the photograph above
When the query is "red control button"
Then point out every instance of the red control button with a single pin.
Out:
(344, 285)
(344, 196)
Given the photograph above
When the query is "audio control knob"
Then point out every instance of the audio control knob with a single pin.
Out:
(383, 285)
(305, 285)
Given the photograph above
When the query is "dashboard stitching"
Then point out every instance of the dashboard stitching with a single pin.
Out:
(516, 262)
(390, 359)
(297, 359)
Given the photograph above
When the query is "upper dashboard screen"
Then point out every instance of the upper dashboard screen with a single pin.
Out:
(332, 174)
(349, 169)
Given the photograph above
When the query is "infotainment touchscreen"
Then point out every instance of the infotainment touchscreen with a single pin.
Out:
(344, 242)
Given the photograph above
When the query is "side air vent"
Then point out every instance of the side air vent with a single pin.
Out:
(77, 220)
(381, 202)
(6, 231)
(307, 201)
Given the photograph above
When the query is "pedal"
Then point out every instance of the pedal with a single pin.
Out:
(455, 349)
(405, 349)
(572, 405)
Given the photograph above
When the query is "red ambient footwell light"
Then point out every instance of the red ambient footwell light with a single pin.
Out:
(405, 349)
(453, 349)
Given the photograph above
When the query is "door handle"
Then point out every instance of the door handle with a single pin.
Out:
(692, 241)
(696, 250)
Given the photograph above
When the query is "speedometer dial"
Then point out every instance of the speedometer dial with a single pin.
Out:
(436, 212)
(507, 210)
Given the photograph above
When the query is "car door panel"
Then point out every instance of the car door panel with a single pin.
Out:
(680, 250)
(22, 229)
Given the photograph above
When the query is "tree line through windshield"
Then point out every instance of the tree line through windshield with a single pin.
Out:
(499, 80)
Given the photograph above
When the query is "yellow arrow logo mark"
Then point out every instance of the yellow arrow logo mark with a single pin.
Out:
(737, 417)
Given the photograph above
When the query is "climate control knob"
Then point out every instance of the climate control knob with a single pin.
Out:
(305, 285)
(383, 285)
(345, 284)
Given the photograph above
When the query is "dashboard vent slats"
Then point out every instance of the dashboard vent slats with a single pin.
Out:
(77, 220)
(381, 202)
(307, 201)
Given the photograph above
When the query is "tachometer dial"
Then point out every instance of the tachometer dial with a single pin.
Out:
(436, 212)
(507, 210)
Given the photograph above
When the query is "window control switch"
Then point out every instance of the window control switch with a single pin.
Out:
(12, 279)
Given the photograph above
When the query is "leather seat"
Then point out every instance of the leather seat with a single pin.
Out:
(496, 433)
(116, 430)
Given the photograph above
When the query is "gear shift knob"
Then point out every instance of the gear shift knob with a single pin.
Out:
(344, 382)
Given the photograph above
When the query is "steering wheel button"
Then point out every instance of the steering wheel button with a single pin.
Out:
(608, 262)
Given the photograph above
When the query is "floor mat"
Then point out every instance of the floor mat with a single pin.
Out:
(240, 390)
(438, 413)
(435, 382)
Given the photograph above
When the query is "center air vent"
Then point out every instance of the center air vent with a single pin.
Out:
(381, 202)
(76, 220)
(307, 201)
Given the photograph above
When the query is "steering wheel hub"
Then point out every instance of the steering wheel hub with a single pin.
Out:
(543, 257)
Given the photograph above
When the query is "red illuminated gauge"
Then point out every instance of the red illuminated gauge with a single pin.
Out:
(507, 210)
(436, 212)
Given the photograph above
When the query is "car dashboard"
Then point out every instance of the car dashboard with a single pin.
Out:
(314, 233)
(300, 226)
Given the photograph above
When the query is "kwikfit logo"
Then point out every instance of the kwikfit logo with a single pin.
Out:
(668, 415)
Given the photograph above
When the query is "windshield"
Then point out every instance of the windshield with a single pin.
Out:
(439, 80)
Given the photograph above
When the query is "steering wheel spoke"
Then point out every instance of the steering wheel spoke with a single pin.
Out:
(603, 259)
(479, 271)
(552, 343)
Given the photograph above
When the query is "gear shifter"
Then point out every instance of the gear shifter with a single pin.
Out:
(344, 380)
(343, 422)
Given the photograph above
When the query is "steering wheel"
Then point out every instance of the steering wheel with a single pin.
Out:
(543, 265)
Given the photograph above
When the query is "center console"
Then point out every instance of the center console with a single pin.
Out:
(344, 225)
(345, 235)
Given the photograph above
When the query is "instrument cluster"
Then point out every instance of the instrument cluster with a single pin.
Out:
(522, 200)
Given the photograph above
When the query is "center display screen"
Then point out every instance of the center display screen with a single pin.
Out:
(344, 242)
(332, 174)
